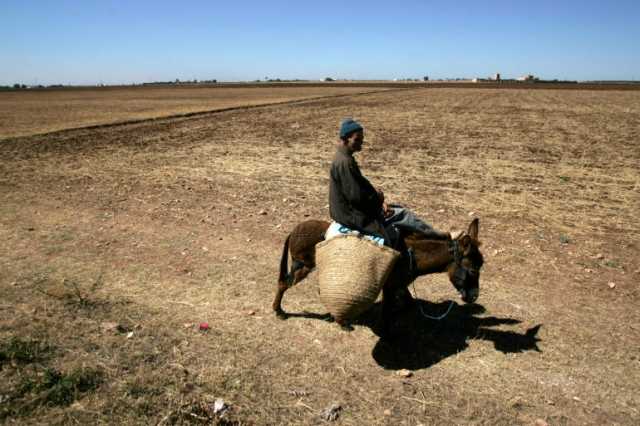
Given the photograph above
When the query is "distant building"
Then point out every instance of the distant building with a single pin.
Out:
(495, 77)
(528, 77)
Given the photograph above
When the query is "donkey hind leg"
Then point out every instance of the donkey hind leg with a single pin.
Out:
(277, 302)
(298, 271)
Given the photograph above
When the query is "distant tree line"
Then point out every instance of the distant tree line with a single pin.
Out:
(283, 80)
(20, 86)
(178, 81)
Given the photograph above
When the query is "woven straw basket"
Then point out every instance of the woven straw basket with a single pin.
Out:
(351, 273)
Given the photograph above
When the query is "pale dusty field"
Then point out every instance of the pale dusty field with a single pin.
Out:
(118, 241)
(33, 112)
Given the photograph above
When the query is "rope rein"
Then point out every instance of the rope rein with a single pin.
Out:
(438, 318)
(455, 249)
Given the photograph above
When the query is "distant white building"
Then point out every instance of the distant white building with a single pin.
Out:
(528, 77)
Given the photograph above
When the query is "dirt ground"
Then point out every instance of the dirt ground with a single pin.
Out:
(118, 242)
(24, 113)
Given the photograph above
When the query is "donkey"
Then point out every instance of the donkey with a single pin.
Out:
(459, 257)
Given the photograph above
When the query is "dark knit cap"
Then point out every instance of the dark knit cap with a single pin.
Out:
(349, 126)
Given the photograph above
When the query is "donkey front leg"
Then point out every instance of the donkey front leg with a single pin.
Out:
(404, 299)
(386, 317)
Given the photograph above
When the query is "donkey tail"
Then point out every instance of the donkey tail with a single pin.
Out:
(284, 260)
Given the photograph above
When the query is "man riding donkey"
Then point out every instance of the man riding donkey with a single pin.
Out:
(357, 207)
(354, 204)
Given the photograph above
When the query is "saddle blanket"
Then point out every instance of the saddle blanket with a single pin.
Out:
(336, 229)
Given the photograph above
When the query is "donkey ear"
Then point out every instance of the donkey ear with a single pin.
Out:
(473, 229)
(465, 243)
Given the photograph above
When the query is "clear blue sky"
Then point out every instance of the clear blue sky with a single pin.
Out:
(86, 42)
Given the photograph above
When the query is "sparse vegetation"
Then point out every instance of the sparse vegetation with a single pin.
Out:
(20, 351)
(160, 226)
(50, 388)
(63, 389)
(612, 263)
(73, 293)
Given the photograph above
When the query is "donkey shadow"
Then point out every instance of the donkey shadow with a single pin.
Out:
(419, 342)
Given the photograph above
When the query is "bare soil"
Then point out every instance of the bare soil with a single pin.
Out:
(118, 242)
(24, 113)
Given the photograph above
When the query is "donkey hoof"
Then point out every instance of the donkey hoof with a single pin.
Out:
(328, 318)
(384, 330)
(282, 315)
(346, 327)
(386, 334)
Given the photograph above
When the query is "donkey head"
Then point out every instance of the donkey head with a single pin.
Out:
(464, 271)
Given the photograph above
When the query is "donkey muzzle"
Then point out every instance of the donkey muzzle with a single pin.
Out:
(470, 296)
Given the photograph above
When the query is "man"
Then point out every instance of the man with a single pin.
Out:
(358, 205)
(353, 201)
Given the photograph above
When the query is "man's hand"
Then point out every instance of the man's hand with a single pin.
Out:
(387, 211)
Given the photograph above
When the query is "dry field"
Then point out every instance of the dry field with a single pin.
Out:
(118, 241)
(25, 113)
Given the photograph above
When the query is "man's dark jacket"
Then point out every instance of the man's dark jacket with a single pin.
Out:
(353, 201)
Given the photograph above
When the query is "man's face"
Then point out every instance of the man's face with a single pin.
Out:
(355, 141)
